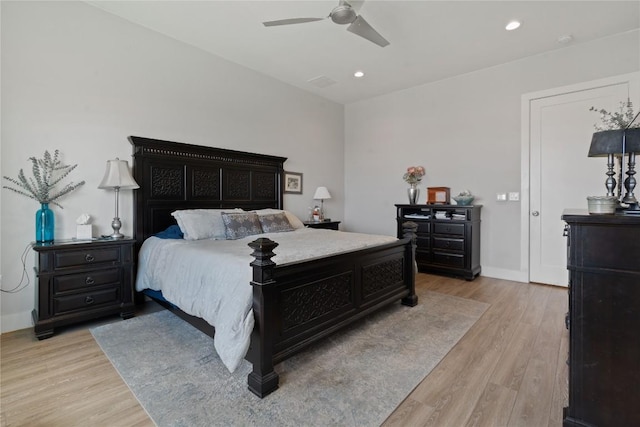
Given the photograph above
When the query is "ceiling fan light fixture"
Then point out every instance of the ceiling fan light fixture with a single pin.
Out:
(343, 14)
(513, 25)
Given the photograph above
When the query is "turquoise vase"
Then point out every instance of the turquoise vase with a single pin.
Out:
(45, 224)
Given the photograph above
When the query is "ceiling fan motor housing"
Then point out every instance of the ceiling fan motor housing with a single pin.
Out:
(343, 14)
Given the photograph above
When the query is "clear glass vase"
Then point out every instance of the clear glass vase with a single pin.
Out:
(45, 224)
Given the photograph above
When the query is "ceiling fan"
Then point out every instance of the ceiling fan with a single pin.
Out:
(342, 14)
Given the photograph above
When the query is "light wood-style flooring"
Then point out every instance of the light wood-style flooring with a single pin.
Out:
(508, 370)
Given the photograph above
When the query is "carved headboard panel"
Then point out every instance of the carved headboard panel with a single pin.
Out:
(174, 175)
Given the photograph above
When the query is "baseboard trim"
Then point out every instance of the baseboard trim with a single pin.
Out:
(15, 321)
(504, 274)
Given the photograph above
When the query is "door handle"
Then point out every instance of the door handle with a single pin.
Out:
(535, 213)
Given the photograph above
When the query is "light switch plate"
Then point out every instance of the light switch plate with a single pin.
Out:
(514, 196)
(501, 197)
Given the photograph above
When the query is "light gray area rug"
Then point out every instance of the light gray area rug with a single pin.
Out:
(356, 377)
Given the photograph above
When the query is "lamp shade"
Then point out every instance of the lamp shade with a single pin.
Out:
(117, 175)
(321, 194)
(610, 142)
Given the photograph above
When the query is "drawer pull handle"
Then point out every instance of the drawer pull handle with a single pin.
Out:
(88, 300)
(89, 280)
(89, 258)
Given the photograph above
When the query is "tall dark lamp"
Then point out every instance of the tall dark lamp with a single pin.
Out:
(117, 177)
(618, 143)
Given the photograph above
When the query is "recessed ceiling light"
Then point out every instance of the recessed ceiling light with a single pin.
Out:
(358, 74)
(567, 38)
(512, 25)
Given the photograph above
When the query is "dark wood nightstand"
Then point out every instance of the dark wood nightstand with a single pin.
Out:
(327, 225)
(82, 280)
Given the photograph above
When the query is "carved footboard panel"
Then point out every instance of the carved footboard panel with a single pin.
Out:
(298, 304)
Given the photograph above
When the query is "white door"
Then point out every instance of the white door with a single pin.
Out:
(561, 174)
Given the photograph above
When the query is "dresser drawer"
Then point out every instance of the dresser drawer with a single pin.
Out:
(85, 300)
(423, 227)
(455, 260)
(448, 243)
(72, 282)
(422, 242)
(444, 228)
(86, 257)
(422, 255)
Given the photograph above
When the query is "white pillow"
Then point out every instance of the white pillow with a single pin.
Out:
(197, 224)
(293, 220)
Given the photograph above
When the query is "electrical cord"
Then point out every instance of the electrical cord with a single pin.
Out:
(20, 286)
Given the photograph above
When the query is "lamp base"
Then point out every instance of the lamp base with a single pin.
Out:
(116, 224)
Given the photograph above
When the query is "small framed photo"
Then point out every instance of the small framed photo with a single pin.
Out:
(292, 183)
(438, 195)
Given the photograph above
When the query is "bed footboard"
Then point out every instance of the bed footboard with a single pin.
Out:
(297, 304)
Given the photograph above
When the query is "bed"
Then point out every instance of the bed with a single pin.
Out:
(293, 303)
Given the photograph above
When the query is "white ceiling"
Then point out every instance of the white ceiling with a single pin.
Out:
(430, 40)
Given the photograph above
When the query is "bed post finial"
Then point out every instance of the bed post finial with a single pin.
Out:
(263, 379)
(262, 264)
(409, 230)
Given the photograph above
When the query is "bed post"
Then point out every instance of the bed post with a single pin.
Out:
(263, 379)
(409, 230)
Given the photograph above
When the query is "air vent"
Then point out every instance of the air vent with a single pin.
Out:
(322, 81)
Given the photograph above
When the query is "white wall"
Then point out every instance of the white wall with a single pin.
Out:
(466, 132)
(80, 80)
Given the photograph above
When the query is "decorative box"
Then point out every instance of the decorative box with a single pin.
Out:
(84, 232)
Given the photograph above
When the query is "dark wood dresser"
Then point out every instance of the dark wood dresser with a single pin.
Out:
(603, 320)
(79, 281)
(448, 240)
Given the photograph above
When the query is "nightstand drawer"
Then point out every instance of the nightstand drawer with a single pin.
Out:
(72, 282)
(85, 300)
(86, 257)
(440, 228)
(444, 243)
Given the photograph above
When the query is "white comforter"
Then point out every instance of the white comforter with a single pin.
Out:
(211, 278)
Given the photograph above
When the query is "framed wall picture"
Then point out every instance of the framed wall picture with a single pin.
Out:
(292, 182)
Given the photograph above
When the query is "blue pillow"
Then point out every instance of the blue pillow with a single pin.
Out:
(172, 232)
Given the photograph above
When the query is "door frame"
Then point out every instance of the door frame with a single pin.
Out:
(525, 160)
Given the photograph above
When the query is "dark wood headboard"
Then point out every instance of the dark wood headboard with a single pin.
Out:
(174, 175)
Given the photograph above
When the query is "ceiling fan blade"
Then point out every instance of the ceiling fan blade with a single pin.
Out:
(362, 28)
(290, 21)
(356, 4)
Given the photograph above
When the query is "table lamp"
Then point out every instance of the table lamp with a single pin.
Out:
(618, 143)
(117, 177)
(321, 194)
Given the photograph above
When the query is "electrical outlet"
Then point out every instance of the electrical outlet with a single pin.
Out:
(501, 197)
(514, 196)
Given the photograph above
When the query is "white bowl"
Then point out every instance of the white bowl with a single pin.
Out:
(602, 205)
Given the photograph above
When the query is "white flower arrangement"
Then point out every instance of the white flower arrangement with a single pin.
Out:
(47, 173)
(622, 119)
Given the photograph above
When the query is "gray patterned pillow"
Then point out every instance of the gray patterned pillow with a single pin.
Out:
(275, 223)
(239, 225)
